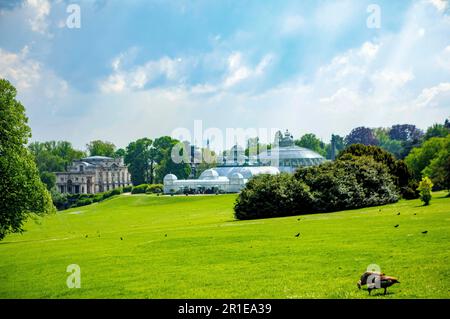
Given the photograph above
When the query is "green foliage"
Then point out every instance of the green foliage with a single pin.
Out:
(425, 187)
(127, 189)
(101, 148)
(49, 179)
(419, 158)
(140, 189)
(140, 158)
(155, 189)
(436, 130)
(51, 157)
(21, 191)
(351, 182)
(312, 142)
(271, 196)
(400, 172)
(119, 153)
(439, 168)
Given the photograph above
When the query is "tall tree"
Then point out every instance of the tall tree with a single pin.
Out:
(101, 148)
(21, 190)
(420, 157)
(436, 130)
(138, 159)
(361, 135)
(312, 142)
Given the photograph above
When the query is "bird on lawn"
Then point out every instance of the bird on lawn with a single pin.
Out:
(396, 225)
(297, 235)
(424, 232)
(398, 214)
(121, 238)
(377, 280)
(365, 276)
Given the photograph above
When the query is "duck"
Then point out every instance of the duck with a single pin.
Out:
(380, 280)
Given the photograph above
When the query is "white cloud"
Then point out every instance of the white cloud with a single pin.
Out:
(239, 70)
(136, 78)
(435, 96)
(392, 78)
(39, 12)
(441, 5)
(17, 68)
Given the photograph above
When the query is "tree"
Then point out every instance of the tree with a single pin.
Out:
(424, 189)
(420, 157)
(313, 143)
(138, 159)
(439, 168)
(405, 133)
(53, 156)
(101, 148)
(402, 176)
(119, 153)
(394, 147)
(21, 191)
(436, 130)
(336, 145)
(361, 135)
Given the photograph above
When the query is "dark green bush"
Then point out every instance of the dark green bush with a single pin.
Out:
(83, 202)
(140, 189)
(127, 189)
(116, 191)
(344, 184)
(272, 196)
(402, 176)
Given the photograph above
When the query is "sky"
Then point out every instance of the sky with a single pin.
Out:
(134, 69)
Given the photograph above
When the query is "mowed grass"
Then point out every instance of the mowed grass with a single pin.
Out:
(191, 247)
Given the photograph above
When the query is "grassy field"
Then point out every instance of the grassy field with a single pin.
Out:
(144, 246)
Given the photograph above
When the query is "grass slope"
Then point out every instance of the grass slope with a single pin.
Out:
(207, 254)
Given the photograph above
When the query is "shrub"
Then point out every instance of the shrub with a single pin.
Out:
(344, 184)
(155, 188)
(140, 189)
(83, 202)
(402, 175)
(424, 188)
(127, 189)
(272, 196)
(116, 191)
(97, 198)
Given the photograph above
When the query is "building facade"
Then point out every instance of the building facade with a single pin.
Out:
(218, 179)
(234, 169)
(94, 174)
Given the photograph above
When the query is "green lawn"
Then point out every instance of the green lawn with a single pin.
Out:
(207, 254)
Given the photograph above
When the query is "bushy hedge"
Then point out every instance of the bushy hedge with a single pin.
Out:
(155, 189)
(272, 196)
(65, 201)
(350, 183)
(140, 189)
(401, 174)
(127, 189)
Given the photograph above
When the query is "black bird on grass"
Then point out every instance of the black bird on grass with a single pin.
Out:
(297, 235)
(398, 214)
(396, 225)
(121, 238)
(424, 232)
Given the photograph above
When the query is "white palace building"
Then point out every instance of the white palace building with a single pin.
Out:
(230, 176)
(92, 175)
